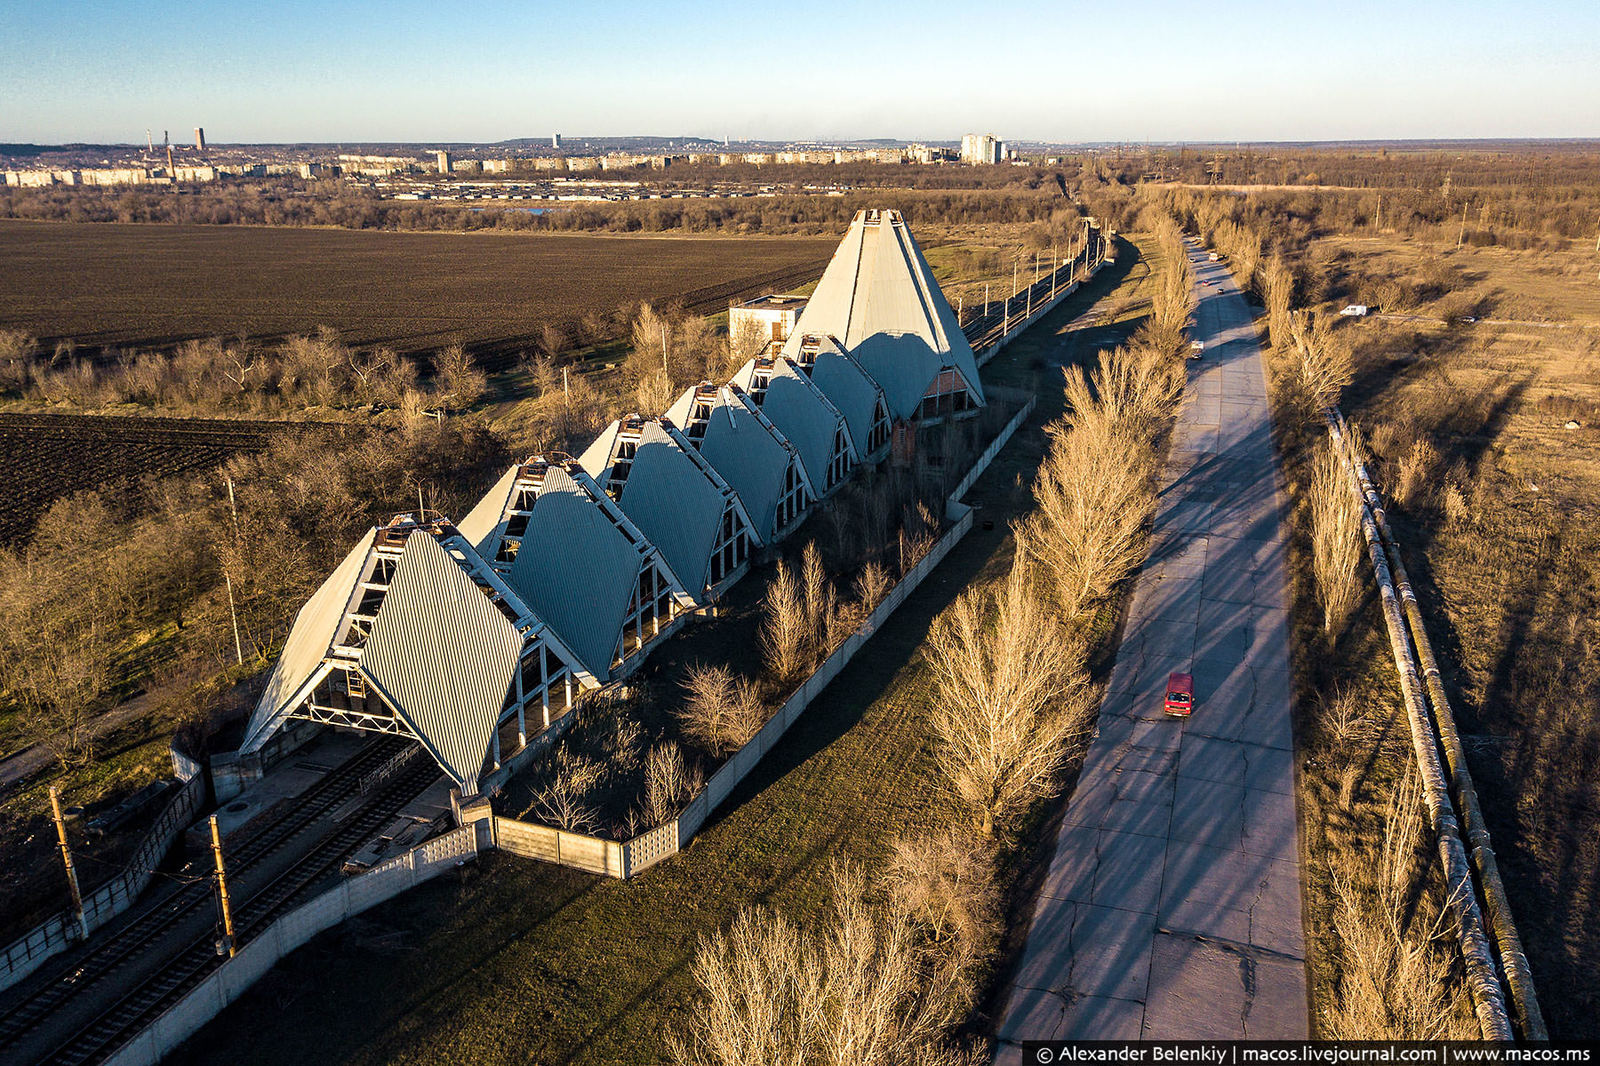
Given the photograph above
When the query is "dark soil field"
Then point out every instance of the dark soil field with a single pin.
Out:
(46, 457)
(106, 284)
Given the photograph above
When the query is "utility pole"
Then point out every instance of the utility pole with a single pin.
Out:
(961, 306)
(233, 610)
(566, 391)
(1463, 234)
(986, 293)
(66, 859)
(664, 369)
(222, 890)
(1378, 225)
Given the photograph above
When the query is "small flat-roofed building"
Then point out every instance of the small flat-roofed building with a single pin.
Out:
(677, 499)
(800, 410)
(414, 634)
(569, 551)
(851, 390)
(751, 454)
(754, 324)
(879, 299)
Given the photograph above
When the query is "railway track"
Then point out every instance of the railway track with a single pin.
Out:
(128, 1015)
(148, 930)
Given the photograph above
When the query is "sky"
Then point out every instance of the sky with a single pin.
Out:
(1117, 70)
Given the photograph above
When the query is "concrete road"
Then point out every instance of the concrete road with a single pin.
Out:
(1172, 907)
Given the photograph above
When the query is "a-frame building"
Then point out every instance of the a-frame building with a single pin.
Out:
(414, 634)
(852, 392)
(805, 415)
(677, 499)
(751, 454)
(577, 559)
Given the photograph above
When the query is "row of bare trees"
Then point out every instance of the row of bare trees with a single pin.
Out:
(210, 376)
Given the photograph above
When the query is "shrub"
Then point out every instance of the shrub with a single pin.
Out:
(1336, 540)
(723, 712)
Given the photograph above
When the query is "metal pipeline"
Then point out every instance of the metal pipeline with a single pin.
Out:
(1483, 980)
(1502, 925)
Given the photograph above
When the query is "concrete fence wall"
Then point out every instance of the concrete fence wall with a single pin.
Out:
(230, 980)
(60, 931)
(623, 860)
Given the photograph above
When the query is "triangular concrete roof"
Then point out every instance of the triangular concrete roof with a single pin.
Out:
(879, 297)
(849, 388)
(673, 495)
(577, 570)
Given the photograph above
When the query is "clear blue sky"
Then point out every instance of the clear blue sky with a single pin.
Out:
(466, 70)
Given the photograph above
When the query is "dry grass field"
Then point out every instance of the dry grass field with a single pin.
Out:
(1498, 501)
(154, 285)
(1485, 437)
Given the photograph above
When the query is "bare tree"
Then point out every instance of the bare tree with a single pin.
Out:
(1336, 540)
(461, 383)
(944, 882)
(1323, 362)
(553, 340)
(654, 393)
(562, 800)
(856, 992)
(784, 632)
(669, 784)
(723, 712)
(817, 599)
(919, 531)
(872, 585)
(1011, 695)
(1394, 981)
(1093, 493)
(1279, 298)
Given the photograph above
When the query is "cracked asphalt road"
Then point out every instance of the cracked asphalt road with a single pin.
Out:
(1172, 907)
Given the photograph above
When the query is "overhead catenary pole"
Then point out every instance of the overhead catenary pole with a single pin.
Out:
(233, 611)
(222, 889)
(66, 859)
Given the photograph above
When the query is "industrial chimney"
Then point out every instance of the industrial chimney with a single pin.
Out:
(200, 138)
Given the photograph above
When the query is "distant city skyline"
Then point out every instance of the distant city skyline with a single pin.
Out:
(480, 72)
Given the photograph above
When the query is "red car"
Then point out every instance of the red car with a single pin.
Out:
(1180, 695)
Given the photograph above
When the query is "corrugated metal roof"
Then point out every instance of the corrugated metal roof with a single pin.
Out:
(749, 452)
(704, 464)
(670, 498)
(880, 298)
(310, 639)
(443, 657)
(850, 388)
(577, 570)
(800, 410)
